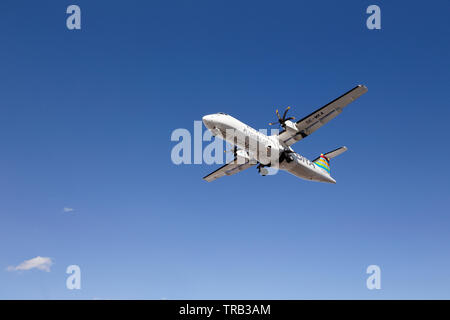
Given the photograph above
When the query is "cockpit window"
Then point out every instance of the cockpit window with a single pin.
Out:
(222, 113)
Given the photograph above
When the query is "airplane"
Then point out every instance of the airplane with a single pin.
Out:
(252, 147)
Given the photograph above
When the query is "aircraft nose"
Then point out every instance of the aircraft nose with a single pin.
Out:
(207, 120)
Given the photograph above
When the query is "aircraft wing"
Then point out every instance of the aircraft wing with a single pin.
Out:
(318, 118)
(229, 169)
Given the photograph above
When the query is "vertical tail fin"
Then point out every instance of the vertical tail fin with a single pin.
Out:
(324, 160)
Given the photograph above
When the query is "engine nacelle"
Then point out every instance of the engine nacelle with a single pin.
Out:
(290, 127)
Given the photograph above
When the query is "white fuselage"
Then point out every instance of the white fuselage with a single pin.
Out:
(264, 149)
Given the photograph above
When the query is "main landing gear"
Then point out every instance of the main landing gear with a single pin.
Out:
(262, 171)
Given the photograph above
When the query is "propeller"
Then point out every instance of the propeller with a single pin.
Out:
(282, 120)
(234, 150)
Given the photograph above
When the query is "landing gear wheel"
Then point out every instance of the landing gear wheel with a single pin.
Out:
(263, 171)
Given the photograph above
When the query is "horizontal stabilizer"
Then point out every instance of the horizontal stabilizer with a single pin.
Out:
(335, 153)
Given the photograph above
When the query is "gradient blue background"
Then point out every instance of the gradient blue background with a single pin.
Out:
(86, 118)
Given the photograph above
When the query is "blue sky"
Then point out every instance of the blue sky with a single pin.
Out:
(85, 123)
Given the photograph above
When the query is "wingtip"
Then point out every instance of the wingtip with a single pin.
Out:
(363, 87)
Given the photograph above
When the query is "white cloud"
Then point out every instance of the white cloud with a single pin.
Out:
(67, 209)
(40, 263)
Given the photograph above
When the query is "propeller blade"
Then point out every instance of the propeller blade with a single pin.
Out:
(285, 112)
(278, 114)
(234, 150)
